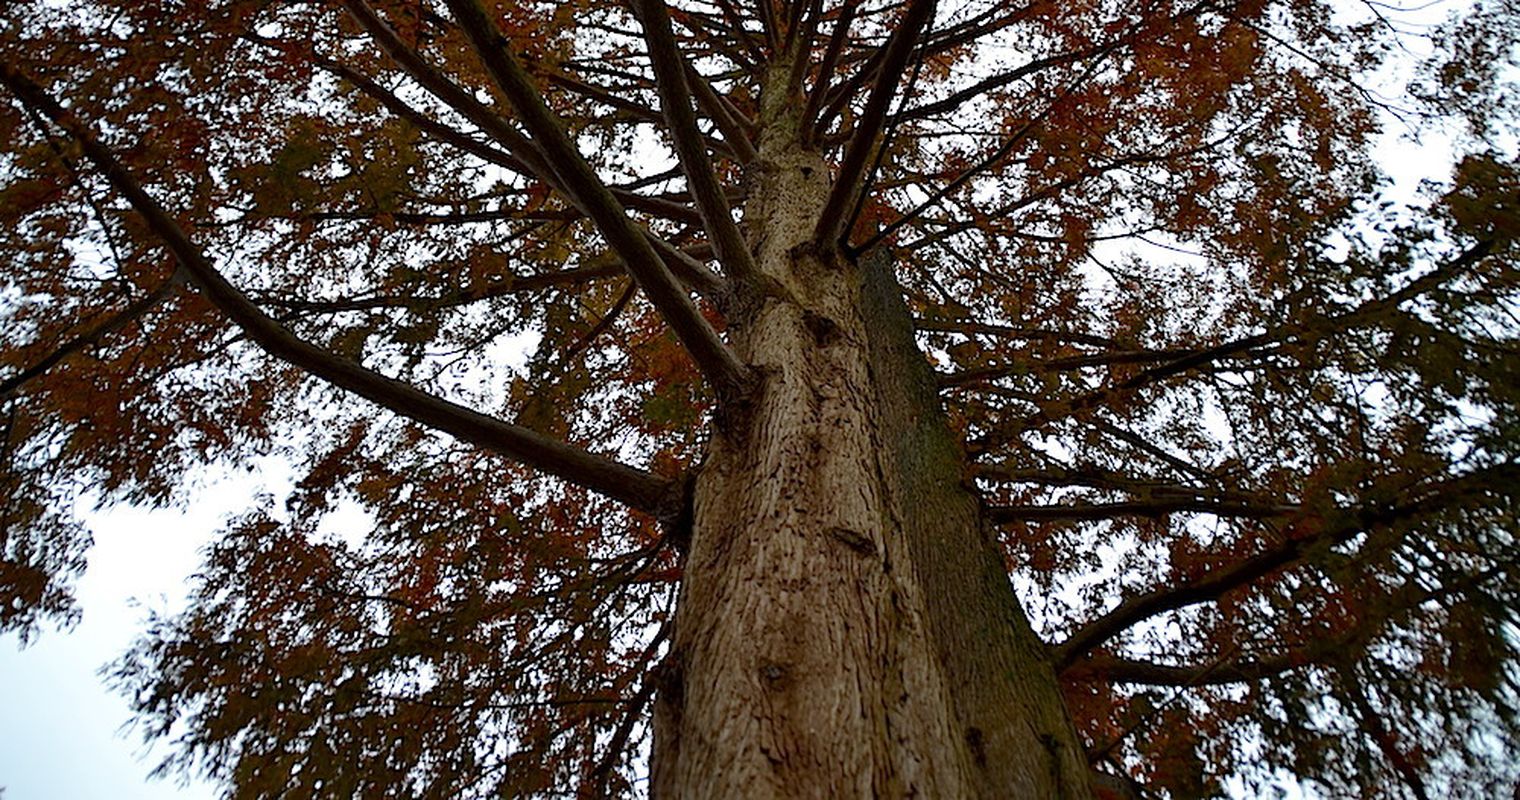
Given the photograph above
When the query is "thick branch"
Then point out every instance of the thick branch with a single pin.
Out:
(530, 160)
(730, 121)
(721, 36)
(873, 118)
(727, 374)
(799, 39)
(675, 100)
(1387, 741)
(621, 482)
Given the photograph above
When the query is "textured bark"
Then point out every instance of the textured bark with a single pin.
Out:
(845, 627)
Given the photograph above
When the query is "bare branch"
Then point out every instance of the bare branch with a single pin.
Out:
(993, 83)
(734, 126)
(990, 161)
(514, 285)
(531, 161)
(826, 70)
(1036, 334)
(650, 205)
(675, 100)
(525, 155)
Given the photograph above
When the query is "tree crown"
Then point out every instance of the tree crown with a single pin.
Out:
(1247, 435)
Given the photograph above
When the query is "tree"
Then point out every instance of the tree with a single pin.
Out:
(710, 374)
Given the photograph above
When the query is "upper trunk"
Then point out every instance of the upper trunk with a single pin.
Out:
(845, 627)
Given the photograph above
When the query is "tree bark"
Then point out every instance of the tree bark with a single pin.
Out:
(845, 627)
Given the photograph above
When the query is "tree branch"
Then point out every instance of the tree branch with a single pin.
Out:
(134, 310)
(675, 100)
(1148, 508)
(988, 162)
(1386, 741)
(968, 377)
(527, 157)
(1368, 310)
(618, 481)
(994, 82)
(873, 118)
(730, 122)
(826, 71)
(729, 377)
(1114, 669)
(1034, 334)
(513, 285)
(1433, 498)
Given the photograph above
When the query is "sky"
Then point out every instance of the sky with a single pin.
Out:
(62, 731)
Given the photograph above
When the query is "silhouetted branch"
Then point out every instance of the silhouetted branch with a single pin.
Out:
(133, 311)
(1431, 499)
(1149, 508)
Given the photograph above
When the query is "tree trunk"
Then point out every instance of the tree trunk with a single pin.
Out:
(845, 627)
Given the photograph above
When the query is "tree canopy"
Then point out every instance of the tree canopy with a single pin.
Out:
(1249, 432)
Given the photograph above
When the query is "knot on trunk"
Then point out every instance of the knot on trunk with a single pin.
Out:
(855, 540)
(775, 677)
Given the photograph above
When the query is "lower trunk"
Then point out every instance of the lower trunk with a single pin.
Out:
(845, 625)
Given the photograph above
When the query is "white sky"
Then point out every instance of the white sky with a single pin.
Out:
(62, 734)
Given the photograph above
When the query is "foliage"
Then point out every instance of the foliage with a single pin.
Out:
(1250, 434)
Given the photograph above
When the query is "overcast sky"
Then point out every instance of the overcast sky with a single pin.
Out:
(62, 734)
